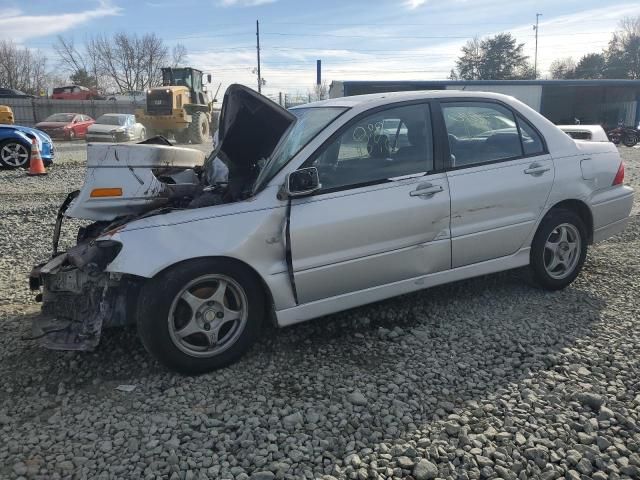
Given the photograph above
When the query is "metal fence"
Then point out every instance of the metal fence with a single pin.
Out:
(29, 111)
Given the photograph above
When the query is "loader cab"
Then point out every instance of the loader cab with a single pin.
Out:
(186, 77)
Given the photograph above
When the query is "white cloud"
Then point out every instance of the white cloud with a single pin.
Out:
(244, 3)
(413, 4)
(17, 26)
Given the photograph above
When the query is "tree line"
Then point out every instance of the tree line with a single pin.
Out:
(120, 62)
(501, 57)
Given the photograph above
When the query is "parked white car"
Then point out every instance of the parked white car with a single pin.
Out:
(321, 211)
(116, 127)
(593, 133)
(133, 96)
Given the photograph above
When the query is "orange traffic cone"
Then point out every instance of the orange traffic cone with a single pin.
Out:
(36, 165)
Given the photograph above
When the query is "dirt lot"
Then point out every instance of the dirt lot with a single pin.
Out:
(485, 378)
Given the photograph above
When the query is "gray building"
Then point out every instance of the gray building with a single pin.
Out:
(605, 102)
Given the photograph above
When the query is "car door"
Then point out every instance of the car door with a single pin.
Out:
(500, 175)
(382, 213)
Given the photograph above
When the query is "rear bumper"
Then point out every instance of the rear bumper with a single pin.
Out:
(611, 209)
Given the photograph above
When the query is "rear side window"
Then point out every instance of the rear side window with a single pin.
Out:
(531, 141)
(480, 133)
(58, 90)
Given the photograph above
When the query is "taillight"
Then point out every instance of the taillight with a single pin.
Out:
(619, 178)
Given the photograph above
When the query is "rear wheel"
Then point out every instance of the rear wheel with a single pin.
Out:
(72, 135)
(629, 139)
(199, 128)
(14, 154)
(559, 249)
(201, 315)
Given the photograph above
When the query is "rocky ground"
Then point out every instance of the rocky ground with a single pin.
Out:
(485, 378)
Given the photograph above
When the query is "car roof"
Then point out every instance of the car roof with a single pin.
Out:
(374, 99)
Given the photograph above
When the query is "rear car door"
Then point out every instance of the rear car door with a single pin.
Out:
(382, 214)
(500, 175)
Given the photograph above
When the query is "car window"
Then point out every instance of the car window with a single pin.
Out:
(480, 133)
(381, 146)
(309, 123)
(59, 117)
(531, 141)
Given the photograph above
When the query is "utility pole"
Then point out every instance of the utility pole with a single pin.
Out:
(258, 50)
(535, 60)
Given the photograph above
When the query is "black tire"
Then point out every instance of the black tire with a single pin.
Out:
(72, 135)
(161, 293)
(182, 136)
(629, 139)
(199, 128)
(539, 255)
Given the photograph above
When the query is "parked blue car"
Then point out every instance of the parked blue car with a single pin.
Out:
(15, 146)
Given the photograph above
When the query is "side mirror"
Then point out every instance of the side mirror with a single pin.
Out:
(208, 78)
(302, 182)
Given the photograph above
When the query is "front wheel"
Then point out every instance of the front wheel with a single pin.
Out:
(559, 249)
(201, 315)
(14, 154)
(199, 128)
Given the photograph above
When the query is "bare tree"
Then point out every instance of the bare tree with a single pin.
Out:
(320, 92)
(21, 68)
(123, 61)
(562, 68)
(178, 54)
(630, 26)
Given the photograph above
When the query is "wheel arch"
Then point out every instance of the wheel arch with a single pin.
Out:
(269, 301)
(581, 209)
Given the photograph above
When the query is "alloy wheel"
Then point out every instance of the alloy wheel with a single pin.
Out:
(562, 251)
(208, 315)
(14, 155)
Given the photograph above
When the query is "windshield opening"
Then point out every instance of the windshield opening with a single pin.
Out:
(60, 117)
(111, 120)
(309, 122)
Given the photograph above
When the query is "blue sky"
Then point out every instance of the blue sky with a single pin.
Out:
(382, 39)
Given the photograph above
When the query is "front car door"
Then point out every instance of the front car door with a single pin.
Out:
(500, 175)
(382, 214)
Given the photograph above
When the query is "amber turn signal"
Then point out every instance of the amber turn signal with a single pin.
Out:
(106, 192)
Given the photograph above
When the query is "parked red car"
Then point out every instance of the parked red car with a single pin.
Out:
(67, 126)
(74, 92)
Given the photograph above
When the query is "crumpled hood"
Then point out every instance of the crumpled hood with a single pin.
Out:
(131, 179)
(251, 126)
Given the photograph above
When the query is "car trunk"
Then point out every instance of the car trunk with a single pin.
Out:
(128, 180)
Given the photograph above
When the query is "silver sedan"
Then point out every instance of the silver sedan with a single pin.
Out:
(298, 214)
(116, 127)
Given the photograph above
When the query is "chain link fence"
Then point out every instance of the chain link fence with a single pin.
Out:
(29, 111)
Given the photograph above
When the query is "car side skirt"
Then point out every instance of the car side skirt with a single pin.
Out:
(338, 303)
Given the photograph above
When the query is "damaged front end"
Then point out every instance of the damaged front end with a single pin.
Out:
(79, 298)
(126, 183)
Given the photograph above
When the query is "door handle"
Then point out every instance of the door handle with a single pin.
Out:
(536, 169)
(426, 190)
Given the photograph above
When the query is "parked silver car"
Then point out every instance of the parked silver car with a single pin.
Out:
(116, 127)
(334, 204)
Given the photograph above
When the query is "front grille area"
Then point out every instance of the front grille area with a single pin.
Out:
(159, 102)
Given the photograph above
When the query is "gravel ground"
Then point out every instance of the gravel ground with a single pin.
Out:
(485, 378)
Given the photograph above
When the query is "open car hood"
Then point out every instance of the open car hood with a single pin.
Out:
(251, 126)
